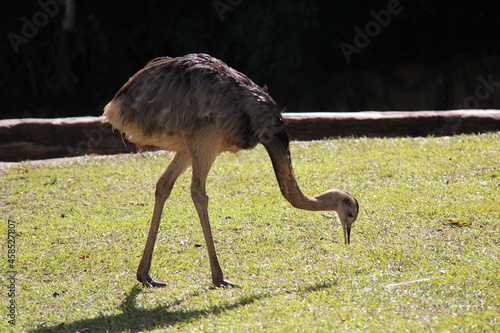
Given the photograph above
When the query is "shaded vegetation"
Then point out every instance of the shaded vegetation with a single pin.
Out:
(293, 47)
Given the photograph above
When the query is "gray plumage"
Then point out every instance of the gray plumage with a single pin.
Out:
(171, 95)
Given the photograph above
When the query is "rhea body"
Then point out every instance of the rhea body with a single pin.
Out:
(198, 107)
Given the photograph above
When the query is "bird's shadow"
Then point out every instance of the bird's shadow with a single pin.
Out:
(158, 317)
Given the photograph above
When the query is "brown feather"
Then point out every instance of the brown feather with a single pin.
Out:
(170, 96)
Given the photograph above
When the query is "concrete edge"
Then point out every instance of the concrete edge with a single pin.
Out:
(35, 139)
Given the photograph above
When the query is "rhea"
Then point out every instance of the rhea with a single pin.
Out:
(198, 107)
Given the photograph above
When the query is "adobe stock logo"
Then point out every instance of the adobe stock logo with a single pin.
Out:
(222, 7)
(372, 29)
(30, 28)
(482, 92)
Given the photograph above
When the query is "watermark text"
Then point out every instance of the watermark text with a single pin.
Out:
(371, 30)
(11, 306)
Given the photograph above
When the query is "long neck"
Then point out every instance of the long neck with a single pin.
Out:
(280, 156)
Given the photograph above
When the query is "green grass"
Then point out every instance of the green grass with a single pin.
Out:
(424, 256)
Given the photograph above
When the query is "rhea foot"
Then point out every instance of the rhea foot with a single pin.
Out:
(224, 284)
(148, 282)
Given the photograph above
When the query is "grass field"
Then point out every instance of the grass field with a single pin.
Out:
(424, 256)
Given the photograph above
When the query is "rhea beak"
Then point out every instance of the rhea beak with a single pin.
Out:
(347, 233)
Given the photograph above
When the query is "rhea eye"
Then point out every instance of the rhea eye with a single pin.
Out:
(346, 202)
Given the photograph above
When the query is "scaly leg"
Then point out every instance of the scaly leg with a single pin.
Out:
(203, 155)
(163, 189)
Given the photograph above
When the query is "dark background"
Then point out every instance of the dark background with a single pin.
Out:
(434, 54)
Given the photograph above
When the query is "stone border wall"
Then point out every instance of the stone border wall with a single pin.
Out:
(31, 139)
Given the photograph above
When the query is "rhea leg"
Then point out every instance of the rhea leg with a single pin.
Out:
(163, 189)
(203, 157)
